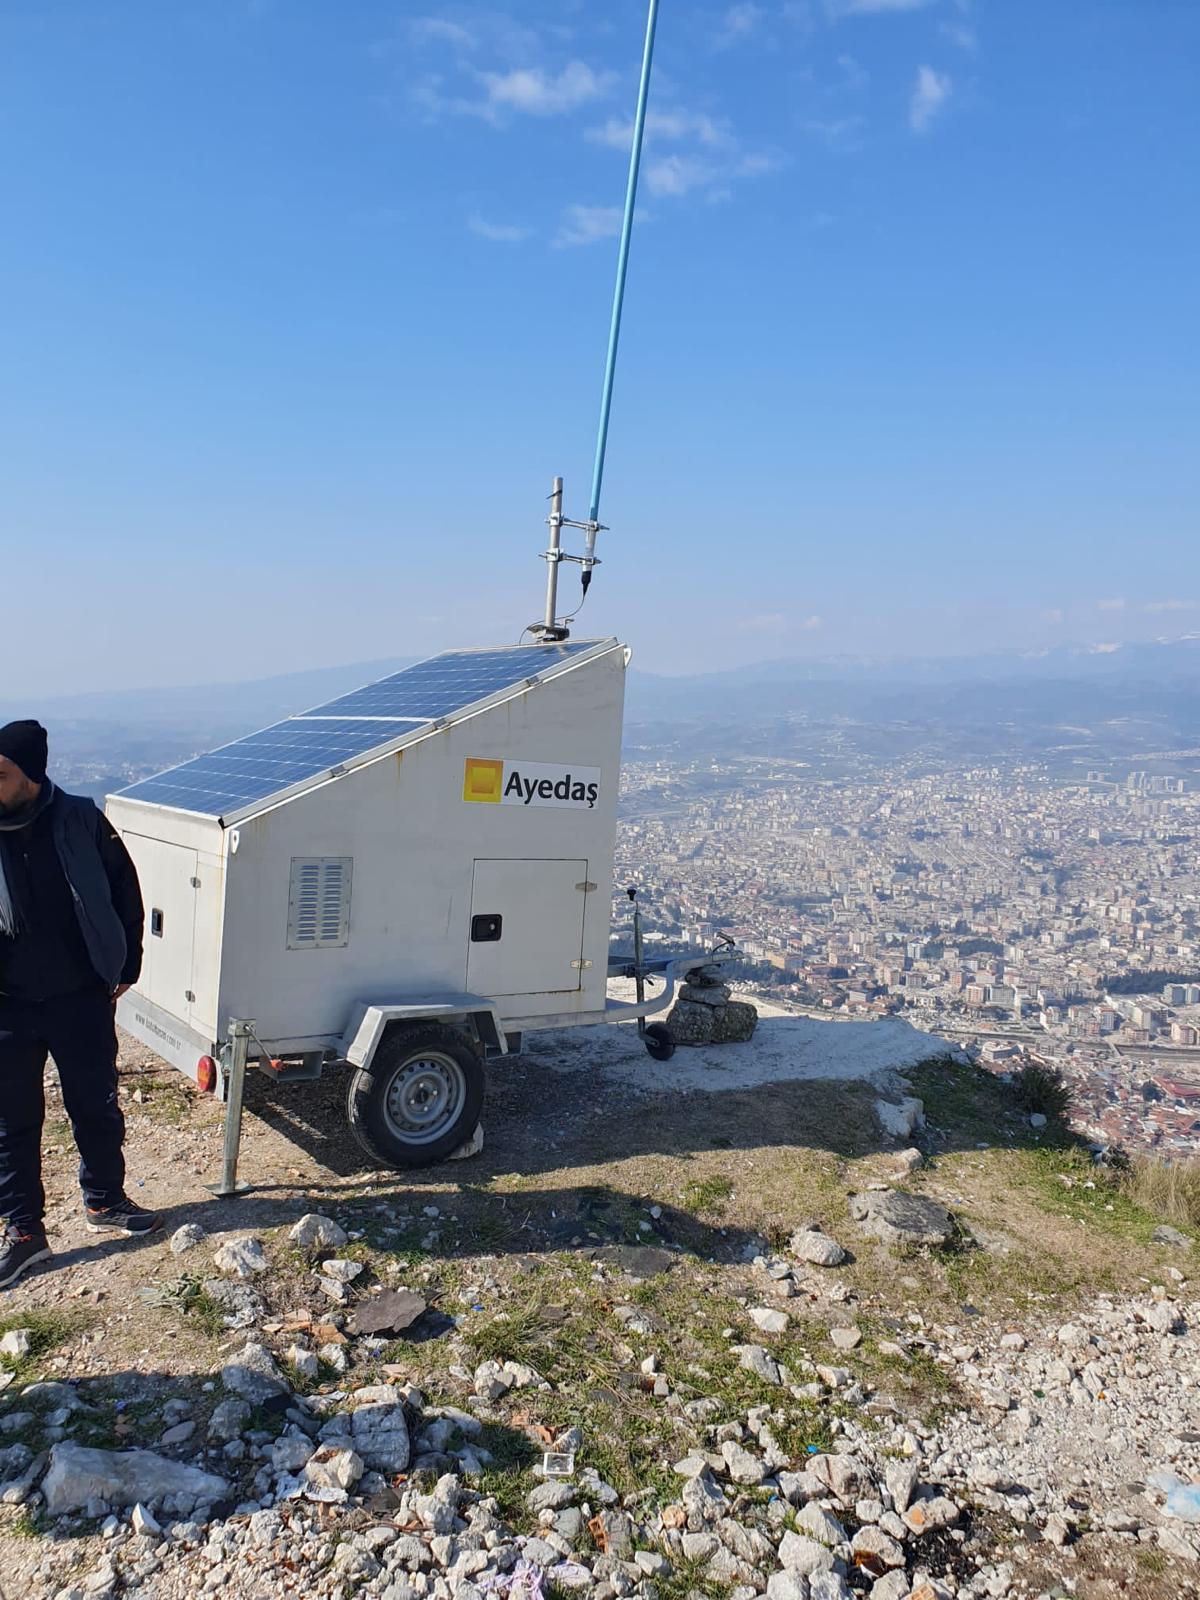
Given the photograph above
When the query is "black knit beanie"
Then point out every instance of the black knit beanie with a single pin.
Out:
(24, 743)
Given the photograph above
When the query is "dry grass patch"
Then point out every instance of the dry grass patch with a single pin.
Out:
(1169, 1190)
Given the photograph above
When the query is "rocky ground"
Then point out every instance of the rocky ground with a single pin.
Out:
(788, 1340)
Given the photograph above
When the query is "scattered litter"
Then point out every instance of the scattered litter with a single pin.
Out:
(558, 1464)
(1183, 1499)
(524, 1582)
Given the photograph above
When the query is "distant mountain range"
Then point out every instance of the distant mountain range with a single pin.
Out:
(246, 706)
(1075, 707)
(1162, 662)
(1095, 699)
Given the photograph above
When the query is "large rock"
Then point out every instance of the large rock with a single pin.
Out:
(899, 1218)
(803, 1555)
(741, 1465)
(379, 1429)
(315, 1232)
(242, 1258)
(786, 1585)
(735, 1024)
(900, 1119)
(1165, 1234)
(876, 1549)
(78, 1476)
(818, 1249)
(689, 1023)
(705, 994)
(228, 1420)
(330, 1474)
(239, 1304)
(844, 1476)
(253, 1375)
(814, 1523)
(832, 1586)
(759, 1361)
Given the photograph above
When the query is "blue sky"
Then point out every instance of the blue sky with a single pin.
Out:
(305, 303)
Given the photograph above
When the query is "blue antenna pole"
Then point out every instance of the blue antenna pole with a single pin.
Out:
(614, 333)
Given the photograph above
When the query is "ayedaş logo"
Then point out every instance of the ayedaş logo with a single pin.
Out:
(530, 783)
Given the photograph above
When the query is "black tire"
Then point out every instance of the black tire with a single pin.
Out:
(419, 1099)
(658, 1041)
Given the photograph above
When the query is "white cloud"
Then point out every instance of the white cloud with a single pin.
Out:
(679, 175)
(930, 93)
(843, 134)
(541, 94)
(674, 124)
(1110, 605)
(811, 624)
(961, 34)
(855, 75)
(497, 232)
(436, 30)
(740, 21)
(1054, 615)
(588, 224)
(716, 161)
(847, 8)
(1171, 605)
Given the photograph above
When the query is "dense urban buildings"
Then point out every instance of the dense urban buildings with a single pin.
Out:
(1010, 911)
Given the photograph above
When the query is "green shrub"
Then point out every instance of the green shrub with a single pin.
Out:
(1038, 1088)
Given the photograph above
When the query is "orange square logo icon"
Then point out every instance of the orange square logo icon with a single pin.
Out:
(482, 781)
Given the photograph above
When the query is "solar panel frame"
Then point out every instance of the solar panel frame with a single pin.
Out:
(354, 739)
(443, 684)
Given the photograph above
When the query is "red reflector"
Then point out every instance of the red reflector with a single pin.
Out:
(206, 1074)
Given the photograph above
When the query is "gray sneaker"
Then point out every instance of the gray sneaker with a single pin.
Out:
(20, 1247)
(124, 1217)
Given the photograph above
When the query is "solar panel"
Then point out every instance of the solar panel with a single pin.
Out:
(312, 744)
(441, 685)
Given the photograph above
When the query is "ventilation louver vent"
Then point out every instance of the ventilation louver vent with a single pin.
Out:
(319, 903)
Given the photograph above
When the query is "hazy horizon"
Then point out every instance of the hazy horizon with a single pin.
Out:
(365, 671)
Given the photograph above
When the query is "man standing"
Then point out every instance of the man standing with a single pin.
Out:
(70, 945)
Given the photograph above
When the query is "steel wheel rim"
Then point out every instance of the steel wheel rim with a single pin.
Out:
(425, 1098)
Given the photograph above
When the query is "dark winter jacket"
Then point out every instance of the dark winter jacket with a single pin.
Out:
(84, 906)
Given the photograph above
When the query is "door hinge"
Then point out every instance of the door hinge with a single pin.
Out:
(195, 883)
(189, 996)
(586, 886)
(580, 966)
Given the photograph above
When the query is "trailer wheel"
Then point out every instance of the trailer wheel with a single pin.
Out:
(658, 1041)
(419, 1099)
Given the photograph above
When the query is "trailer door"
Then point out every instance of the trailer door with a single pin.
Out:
(526, 934)
(168, 876)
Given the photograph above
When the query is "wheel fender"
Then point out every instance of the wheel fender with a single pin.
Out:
(370, 1020)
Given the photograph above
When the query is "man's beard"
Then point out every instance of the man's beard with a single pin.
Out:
(19, 802)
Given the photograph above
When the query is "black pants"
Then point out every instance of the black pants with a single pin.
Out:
(77, 1030)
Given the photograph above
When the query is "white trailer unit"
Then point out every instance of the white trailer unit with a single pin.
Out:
(404, 879)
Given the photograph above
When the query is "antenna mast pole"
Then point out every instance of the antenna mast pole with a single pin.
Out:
(614, 332)
(551, 628)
